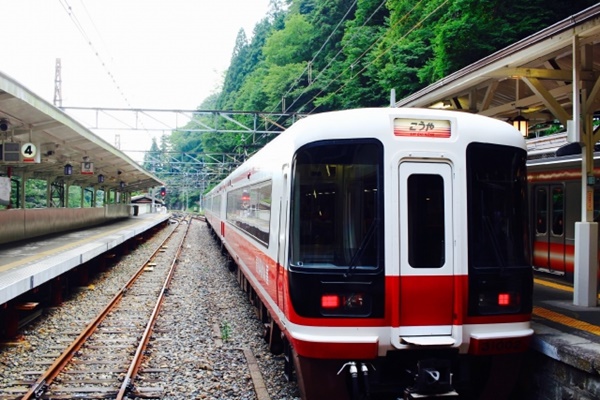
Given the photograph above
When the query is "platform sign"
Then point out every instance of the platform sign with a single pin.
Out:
(29, 153)
(87, 168)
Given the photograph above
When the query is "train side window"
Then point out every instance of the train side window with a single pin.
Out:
(541, 210)
(426, 221)
(249, 208)
(558, 211)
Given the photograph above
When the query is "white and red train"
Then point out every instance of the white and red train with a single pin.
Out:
(387, 250)
(555, 194)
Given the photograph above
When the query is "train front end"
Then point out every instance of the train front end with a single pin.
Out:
(408, 253)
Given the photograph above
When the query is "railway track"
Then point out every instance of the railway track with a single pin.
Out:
(103, 360)
(206, 342)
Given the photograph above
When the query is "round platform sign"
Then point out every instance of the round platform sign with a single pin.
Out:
(28, 150)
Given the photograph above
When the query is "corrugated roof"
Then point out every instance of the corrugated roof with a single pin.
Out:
(533, 76)
(60, 139)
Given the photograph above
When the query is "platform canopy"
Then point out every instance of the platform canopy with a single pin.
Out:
(38, 140)
(551, 77)
(532, 78)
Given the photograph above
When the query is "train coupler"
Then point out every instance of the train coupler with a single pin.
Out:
(432, 381)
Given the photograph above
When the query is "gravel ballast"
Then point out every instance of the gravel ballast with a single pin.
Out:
(204, 337)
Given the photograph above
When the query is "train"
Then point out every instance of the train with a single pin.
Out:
(387, 252)
(555, 195)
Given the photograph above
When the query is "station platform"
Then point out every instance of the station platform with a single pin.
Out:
(565, 332)
(25, 266)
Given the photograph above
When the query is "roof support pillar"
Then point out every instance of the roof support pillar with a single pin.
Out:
(49, 182)
(67, 185)
(22, 185)
(586, 231)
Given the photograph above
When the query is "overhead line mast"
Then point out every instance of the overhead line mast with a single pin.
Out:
(57, 84)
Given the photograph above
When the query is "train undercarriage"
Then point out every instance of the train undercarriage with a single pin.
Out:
(406, 374)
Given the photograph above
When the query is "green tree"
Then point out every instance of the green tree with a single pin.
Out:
(347, 82)
(290, 45)
(152, 158)
(35, 193)
(319, 55)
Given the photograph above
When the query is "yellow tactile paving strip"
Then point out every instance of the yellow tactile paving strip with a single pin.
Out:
(561, 318)
(554, 285)
(564, 320)
(62, 249)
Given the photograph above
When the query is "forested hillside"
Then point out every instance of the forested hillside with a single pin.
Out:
(310, 56)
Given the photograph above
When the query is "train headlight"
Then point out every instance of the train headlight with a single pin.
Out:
(355, 300)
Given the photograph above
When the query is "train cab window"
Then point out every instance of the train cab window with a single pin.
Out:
(337, 205)
(497, 206)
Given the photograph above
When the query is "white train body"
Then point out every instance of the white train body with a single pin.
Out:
(367, 233)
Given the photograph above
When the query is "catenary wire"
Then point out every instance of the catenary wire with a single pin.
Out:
(337, 54)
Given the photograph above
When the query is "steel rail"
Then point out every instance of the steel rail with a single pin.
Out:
(44, 381)
(126, 386)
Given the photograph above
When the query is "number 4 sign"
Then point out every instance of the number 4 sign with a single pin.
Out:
(29, 152)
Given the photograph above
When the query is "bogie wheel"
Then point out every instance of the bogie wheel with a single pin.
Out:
(275, 340)
(231, 265)
(288, 366)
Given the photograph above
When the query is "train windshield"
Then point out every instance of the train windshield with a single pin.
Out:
(337, 205)
(497, 206)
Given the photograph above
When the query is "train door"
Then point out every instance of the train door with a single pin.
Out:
(426, 252)
(282, 235)
(549, 228)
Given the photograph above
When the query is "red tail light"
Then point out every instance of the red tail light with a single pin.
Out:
(504, 299)
(330, 301)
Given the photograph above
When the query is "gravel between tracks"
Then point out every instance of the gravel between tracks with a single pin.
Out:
(198, 345)
(205, 325)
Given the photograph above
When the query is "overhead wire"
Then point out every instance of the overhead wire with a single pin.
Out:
(330, 61)
(364, 53)
(317, 54)
(71, 13)
(418, 24)
(337, 54)
(105, 46)
(69, 10)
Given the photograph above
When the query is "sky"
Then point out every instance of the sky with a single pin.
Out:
(145, 54)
